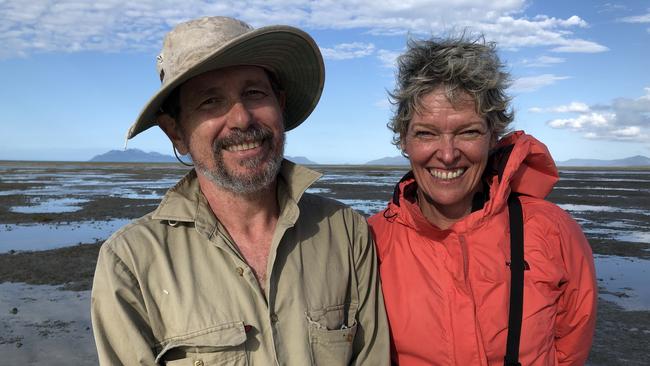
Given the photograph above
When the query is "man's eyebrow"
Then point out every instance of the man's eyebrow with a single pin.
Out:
(217, 89)
(256, 82)
(207, 91)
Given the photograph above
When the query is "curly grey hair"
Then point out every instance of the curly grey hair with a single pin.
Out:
(459, 66)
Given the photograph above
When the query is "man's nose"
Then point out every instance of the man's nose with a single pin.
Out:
(239, 116)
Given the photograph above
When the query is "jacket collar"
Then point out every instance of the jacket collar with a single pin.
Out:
(519, 163)
(186, 203)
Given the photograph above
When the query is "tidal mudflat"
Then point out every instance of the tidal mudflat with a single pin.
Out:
(54, 216)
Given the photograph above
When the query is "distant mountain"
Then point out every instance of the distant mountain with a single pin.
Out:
(301, 160)
(392, 160)
(627, 162)
(133, 156)
(139, 156)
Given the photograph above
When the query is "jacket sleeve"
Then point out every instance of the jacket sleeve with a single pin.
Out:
(119, 318)
(576, 317)
(371, 343)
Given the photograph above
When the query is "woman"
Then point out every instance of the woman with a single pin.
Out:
(444, 239)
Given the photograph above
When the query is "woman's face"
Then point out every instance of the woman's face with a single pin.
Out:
(448, 147)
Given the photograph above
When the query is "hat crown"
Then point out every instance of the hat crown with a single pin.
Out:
(190, 42)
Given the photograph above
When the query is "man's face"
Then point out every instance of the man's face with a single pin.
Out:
(231, 124)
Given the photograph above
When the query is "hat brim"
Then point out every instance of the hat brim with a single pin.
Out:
(291, 54)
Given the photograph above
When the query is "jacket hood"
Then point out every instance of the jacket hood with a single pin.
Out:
(518, 163)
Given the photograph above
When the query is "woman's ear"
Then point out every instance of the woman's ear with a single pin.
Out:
(171, 128)
(402, 144)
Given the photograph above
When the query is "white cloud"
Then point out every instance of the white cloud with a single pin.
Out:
(346, 51)
(623, 119)
(112, 25)
(645, 18)
(388, 58)
(543, 61)
(585, 120)
(573, 107)
(609, 7)
(580, 46)
(532, 83)
(630, 131)
(543, 31)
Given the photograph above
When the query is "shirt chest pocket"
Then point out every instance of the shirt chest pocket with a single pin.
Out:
(221, 345)
(331, 334)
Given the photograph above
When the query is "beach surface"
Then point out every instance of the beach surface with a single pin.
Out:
(54, 217)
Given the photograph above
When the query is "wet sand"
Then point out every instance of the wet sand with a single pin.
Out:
(44, 294)
(49, 291)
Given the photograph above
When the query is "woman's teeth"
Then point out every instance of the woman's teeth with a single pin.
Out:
(447, 174)
(244, 146)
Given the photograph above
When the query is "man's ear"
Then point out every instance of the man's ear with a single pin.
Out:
(173, 131)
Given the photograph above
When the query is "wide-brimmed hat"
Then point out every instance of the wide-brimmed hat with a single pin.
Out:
(211, 43)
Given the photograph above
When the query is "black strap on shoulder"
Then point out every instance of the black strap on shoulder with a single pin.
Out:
(517, 266)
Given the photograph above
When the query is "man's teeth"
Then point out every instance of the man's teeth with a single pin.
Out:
(244, 146)
(447, 174)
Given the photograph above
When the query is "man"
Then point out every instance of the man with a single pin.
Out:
(238, 265)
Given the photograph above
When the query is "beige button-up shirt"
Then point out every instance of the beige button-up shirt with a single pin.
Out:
(171, 288)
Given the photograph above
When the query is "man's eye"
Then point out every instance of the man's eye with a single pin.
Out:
(209, 102)
(255, 94)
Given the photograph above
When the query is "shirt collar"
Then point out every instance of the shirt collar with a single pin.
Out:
(186, 203)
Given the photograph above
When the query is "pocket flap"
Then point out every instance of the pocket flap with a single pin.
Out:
(344, 335)
(218, 337)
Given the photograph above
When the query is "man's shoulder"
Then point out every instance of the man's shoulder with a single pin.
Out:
(317, 202)
(135, 231)
(319, 208)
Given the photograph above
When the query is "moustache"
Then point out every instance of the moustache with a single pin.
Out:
(237, 137)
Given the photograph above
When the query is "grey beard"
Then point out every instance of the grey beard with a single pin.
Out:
(245, 184)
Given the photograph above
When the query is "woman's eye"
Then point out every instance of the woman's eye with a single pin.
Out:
(423, 134)
(471, 133)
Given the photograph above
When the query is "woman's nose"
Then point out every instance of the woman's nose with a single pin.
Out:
(447, 151)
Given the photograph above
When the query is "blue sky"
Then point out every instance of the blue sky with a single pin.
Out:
(75, 74)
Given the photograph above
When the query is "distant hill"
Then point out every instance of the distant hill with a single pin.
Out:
(301, 160)
(627, 162)
(133, 156)
(139, 156)
(391, 160)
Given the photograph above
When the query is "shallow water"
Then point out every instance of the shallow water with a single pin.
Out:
(50, 236)
(627, 278)
(49, 327)
(367, 207)
(51, 205)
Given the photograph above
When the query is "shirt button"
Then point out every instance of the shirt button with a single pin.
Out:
(198, 363)
(274, 318)
(240, 271)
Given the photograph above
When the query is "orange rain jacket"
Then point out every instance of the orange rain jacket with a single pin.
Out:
(447, 291)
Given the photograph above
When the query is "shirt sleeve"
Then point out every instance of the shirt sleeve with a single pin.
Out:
(576, 318)
(371, 344)
(122, 333)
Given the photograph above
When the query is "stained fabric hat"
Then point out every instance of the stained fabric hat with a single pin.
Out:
(210, 43)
